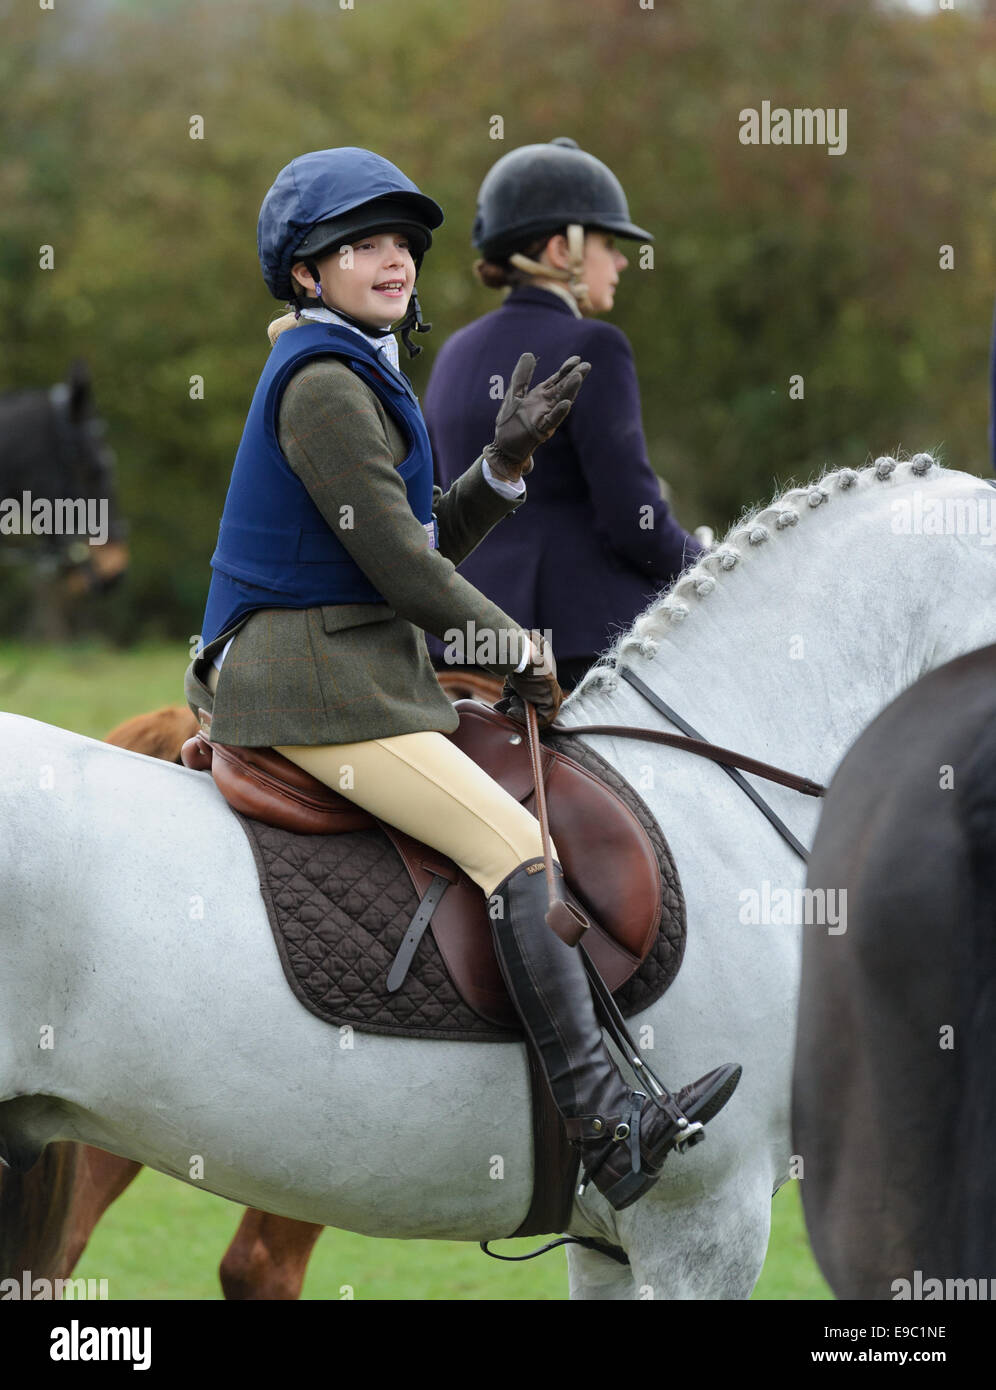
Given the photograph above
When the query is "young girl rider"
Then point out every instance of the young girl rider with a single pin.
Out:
(335, 553)
(597, 541)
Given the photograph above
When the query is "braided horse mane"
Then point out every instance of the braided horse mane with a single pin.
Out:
(753, 530)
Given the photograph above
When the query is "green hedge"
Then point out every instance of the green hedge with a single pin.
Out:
(770, 261)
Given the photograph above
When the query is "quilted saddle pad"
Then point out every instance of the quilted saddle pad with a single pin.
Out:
(339, 907)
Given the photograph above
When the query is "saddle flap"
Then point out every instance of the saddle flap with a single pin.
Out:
(498, 745)
(462, 931)
(612, 869)
(606, 855)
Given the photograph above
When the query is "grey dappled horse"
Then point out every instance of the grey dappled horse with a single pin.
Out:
(175, 1041)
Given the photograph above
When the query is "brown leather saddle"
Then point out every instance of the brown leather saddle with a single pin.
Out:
(610, 865)
(470, 685)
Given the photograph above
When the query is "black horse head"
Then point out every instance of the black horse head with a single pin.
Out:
(57, 500)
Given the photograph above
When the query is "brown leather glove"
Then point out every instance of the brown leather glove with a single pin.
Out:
(529, 416)
(537, 684)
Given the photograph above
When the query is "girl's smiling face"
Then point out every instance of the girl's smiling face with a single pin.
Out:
(373, 283)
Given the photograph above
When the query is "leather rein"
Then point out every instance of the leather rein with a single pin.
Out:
(693, 742)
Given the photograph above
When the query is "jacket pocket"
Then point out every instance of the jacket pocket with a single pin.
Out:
(336, 617)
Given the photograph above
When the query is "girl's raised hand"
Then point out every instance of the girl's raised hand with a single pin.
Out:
(529, 415)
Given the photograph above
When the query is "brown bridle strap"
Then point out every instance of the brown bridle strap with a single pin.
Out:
(725, 756)
(693, 742)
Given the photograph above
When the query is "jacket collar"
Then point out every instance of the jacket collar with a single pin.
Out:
(384, 343)
(538, 294)
(390, 369)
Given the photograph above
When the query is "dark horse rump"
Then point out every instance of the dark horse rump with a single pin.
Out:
(894, 1099)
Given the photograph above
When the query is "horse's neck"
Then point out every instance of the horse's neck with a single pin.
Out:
(793, 653)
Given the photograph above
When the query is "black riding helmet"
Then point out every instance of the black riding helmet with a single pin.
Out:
(538, 188)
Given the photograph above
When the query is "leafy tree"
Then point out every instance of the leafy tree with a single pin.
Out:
(771, 262)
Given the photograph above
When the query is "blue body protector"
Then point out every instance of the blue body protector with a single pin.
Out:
(275, 549)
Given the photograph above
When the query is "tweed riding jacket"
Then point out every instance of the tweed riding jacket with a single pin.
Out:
(347, 672)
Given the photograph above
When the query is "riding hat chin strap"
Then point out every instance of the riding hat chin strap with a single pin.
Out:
(574, 275)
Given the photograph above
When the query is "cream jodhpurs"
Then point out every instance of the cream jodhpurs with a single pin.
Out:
(424, 785)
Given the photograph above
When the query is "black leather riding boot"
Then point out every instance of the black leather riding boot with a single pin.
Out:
(623, 1136)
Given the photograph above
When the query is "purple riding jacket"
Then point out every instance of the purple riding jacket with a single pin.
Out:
(595, 541)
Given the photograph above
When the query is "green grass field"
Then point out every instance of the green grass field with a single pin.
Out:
(164, 1239)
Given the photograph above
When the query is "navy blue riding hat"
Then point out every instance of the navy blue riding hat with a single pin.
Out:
(324, 187)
